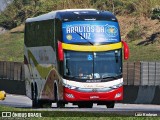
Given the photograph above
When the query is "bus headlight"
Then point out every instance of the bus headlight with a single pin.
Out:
(69, 86)
(117, 86)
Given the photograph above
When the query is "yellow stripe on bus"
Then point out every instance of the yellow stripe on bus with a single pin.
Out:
(91, 47)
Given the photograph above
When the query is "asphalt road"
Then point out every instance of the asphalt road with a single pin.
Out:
(19, 101)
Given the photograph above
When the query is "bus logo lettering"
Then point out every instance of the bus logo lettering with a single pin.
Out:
(94, 97)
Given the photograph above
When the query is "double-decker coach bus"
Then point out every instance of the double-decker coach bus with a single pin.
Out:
(74, 56)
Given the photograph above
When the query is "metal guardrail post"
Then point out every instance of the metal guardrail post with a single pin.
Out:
(148, 73)
(17, 74)
(3, 70)
(140, 73)
(127, 73)
(20, 73)
(134, 75)
(155, 73)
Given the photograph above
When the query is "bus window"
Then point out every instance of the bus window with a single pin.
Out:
(78, 64)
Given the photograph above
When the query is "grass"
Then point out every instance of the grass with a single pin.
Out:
(149, 52)
(99, 118)
(11, 46)
(6, 108)
(64, 115)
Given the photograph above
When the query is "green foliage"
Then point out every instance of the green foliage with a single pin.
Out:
(143, 53)
(11, 47)
(135, 33)
(156, 13)
(17, 12)
(132, 7)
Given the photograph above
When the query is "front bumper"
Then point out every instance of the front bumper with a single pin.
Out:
(73, 95)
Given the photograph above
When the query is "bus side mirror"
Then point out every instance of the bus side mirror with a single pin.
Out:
(60, 51)
(125, 50)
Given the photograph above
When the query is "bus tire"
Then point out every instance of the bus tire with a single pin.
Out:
(60, 104)
(45, 104)
(35, 102)
(85, 105)
(110, 105)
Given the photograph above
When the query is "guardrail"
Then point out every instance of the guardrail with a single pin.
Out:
(141, 73)
(11, 70)
(12, 77)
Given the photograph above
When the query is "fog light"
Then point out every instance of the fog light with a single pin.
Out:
(118, 95)
(69, 95)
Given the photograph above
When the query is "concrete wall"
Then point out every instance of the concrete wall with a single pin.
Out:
(141, 94)
(13, 86)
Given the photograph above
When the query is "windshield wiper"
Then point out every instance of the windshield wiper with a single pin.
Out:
(83, 37)
(78, 77)
(114, 77)
(73, 77)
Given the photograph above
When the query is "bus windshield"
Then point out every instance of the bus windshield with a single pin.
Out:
(94, 32)
(92, 65)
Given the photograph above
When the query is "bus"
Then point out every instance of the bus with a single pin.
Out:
(74, 56)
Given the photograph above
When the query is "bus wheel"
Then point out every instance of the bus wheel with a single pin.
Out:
(85, 105)
(46, 104)
(60, 104)
(34, 98)
(35, 101)
(110, 105)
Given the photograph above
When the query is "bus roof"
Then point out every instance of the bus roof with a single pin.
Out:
(75, 15)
